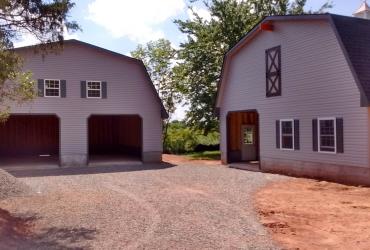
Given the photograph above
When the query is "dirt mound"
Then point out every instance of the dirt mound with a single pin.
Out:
(11, 186)
(308, 214)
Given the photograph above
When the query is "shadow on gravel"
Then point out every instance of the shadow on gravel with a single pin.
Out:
(86, 170)
(17, 233)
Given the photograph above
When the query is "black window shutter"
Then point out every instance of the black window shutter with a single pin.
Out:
(40, 87)
(340, 139)
(104, 90)
(83, 89)
(277, 134)
(63, 88)
(296, 135)
(315, 145)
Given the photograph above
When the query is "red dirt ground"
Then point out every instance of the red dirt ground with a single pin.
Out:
(181, 159)
(11, 226)
(308, 214)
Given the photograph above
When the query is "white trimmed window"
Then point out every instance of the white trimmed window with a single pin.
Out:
(94, 89)
(52, 88)
(287, 134)
(327, 135)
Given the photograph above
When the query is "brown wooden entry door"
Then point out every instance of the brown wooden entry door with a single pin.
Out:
(248, 143)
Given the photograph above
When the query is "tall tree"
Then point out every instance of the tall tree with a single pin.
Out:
(207, 41)
(159, 58)
(45, 20)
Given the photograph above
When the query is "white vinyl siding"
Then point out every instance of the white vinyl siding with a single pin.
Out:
(317, 83)
(130, 94)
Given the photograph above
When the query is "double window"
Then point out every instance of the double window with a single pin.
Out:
(94, 89)
(327, 135)
(58, 88)
(52, 88)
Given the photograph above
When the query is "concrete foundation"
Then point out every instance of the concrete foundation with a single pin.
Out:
(336, 173)
(79, 160)
(73, 160)
(152, 157)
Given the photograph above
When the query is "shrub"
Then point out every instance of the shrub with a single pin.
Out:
(181, 139)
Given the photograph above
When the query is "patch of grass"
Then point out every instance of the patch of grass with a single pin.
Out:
(207, 155)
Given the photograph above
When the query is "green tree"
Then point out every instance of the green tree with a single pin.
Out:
(45, 20)
(201, 56)
(159, 58)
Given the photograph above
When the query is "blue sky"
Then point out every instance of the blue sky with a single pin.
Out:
(120, 25)
(100, 20)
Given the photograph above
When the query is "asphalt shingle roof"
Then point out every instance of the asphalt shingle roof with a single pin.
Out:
(355, 37)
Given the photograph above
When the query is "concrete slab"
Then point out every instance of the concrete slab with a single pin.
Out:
(113, 160)
(12, 164)
(250, 166)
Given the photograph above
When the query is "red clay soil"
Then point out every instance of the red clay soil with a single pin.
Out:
(13, 226)
(308, 214)
(182, 159)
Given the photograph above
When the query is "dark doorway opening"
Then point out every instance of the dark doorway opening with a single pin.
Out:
(30, 140)
(114, 139)
(243, 137)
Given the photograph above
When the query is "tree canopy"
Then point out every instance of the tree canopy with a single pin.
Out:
(159, 57)
(207, 41)
(45, 20)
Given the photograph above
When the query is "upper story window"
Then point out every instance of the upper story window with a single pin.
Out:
(327, 135)
(94, 89)
(273, 72)
(52, 88)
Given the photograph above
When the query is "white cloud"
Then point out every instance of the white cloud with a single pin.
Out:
(27, 39)
(180, 113)
(138, 20)
(202, 12)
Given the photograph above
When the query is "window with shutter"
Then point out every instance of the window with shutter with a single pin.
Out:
(327, 135)
(94, 89)
(273, 72)
(52, 88)
(287, 134)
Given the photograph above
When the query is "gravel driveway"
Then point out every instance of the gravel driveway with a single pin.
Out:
(180, 207)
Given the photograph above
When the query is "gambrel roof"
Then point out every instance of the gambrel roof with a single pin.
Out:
(353, 35)
(140, 63)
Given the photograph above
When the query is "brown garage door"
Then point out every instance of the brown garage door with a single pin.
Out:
(115, 135)
(30, 135)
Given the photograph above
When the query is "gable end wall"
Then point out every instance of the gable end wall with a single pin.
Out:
(129, 92)
(316, 82)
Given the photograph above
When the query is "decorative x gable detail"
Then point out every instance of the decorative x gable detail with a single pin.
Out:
(273, 72)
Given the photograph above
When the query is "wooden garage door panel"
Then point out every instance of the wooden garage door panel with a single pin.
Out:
(29, 135)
